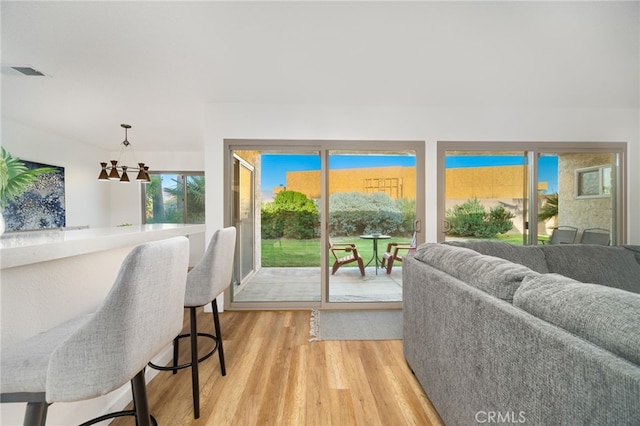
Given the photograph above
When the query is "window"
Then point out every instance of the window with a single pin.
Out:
(542, 184)
(174, 197)
(593, 182)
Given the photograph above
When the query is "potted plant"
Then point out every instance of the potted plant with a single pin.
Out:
(15, 179)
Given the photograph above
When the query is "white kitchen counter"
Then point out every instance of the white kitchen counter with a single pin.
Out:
(48, 277)
(24, 248)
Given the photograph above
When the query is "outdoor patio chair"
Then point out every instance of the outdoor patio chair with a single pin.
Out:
(563, 235)
(397, 251)
(345, 253)
(599, 236)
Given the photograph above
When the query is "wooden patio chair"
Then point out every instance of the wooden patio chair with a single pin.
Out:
(599, 236)
(345, 253)
(397, 251)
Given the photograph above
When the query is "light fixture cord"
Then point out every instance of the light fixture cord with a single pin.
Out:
(123, 153)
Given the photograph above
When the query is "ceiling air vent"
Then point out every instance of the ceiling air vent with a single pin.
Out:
(28, 71)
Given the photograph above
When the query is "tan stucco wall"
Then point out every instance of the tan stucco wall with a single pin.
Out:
(493, 185)
(397, 182)
(485, 182)
(585, 212)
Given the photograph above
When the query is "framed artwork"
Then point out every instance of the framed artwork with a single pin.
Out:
(41, 206)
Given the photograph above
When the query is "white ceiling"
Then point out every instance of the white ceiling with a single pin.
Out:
(154, 65)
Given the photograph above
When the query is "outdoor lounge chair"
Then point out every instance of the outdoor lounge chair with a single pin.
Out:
(396, 252)
(563, 235)
(598, 236)
(343, 254)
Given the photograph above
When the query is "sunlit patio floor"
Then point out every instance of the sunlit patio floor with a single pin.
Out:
(303, 284)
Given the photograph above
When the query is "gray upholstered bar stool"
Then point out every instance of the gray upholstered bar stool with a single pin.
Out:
(205, 282)
(97, 353)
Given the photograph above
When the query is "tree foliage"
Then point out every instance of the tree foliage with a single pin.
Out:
(15, 177)
(159, 207)
(549, 209)
(290, 215)
(472, 219)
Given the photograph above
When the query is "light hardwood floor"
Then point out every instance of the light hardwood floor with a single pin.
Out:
(275, 376)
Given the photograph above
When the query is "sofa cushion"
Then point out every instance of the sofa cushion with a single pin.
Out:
(529, 256)
(610, 266)
(495, 276)
(608, 317)
(635, 250)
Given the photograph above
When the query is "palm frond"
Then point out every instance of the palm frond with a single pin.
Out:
(15, 177)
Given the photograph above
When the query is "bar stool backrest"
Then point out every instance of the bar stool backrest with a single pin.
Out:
(212, 275)
(141, 315)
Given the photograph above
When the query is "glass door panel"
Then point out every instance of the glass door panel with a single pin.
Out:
(244, 217)
(372, 203)
(580, 196)
(486, 195)
(277, 201)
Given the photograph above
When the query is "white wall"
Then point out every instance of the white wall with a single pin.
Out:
(346, 122)
(87, 200)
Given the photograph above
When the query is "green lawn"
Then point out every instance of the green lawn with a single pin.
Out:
(299, 253)
(292, 253)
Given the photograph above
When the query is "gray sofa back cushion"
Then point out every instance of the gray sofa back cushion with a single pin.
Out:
(635, 250)
(493, 275)
(530, 256)
(607, 317)
(610, 266)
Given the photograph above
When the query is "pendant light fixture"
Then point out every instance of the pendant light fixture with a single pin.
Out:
(117, 170)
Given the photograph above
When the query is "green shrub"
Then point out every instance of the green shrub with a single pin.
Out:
(471, 219)
(408, 209)
(291, 215)
(354, 213)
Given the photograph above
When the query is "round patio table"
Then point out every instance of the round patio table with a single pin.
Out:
(375, 238)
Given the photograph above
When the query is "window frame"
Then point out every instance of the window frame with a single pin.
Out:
(601, 189)
(185, 174)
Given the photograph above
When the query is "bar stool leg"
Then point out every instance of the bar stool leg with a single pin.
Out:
(140, 402)
(216, 325)
(195, 382)
(36, 414)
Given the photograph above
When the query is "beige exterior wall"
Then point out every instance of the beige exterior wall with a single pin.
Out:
(397, 182)
(485, 182)
(581, 212)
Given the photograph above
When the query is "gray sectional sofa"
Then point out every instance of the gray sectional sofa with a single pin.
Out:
(536, 335)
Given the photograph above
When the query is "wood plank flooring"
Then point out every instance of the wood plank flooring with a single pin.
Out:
(275, 376)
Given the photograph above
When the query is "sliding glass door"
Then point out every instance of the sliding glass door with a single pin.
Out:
(303, 209)
(523, 192)
(274, 206)
(583, 195)
(486, 195)
(371, 213)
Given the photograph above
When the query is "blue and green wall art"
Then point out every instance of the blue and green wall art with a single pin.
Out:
(41, 205)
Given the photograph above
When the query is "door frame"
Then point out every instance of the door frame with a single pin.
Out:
(322, 147)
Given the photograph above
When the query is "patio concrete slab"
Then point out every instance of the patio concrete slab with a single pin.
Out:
(303, 284)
